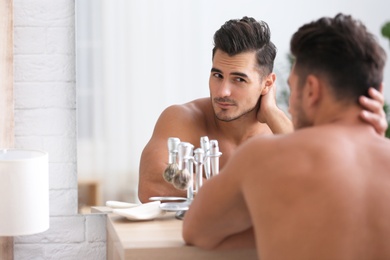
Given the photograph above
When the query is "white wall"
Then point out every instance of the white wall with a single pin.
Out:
(45, 119)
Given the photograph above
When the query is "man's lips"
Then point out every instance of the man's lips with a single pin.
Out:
(224, 105)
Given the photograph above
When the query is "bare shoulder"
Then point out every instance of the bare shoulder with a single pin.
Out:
(296, 155)
(312, 162)
(193, 111)
(185, 121)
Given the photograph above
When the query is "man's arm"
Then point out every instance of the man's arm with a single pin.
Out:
(218, 216)
(173, 122)
(243, 240)
(272, 115)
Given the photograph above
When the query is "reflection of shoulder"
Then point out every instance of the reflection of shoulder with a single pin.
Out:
(193, 110)
(198, 106)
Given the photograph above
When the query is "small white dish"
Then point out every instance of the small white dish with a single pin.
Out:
(146, 211)
(168, 198)
(120, 205)
(175, 206)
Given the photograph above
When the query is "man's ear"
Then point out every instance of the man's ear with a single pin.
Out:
(313, 90)
(269, 83)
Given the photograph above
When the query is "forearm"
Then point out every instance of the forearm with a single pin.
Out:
(153, 163)
(224, 232)
(216, 214)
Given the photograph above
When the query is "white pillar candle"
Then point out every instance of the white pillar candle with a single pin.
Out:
(24, 192)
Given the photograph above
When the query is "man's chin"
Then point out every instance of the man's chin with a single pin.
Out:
(224, 118)
(227, 118)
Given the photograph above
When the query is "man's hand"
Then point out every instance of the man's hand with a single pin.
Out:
(373, 112)
(270, 114)
(268, 105)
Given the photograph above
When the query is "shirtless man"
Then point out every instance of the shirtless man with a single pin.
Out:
(323, 191)
(241, 105)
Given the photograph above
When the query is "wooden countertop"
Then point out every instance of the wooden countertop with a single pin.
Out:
(160, 238)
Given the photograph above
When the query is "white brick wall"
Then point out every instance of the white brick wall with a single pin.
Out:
(45, 118)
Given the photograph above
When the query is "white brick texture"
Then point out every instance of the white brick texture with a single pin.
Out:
(62, 176)
(95, 231)
(45, 95)
(45, 119)
(48, 122)
(62, 230)
(44, 68)
(63, 202)
(30, 40)
(61, 251)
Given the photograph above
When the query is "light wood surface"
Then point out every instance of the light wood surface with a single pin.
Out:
(6, 75)
(6, 99)
(6, 248)
(158, 239)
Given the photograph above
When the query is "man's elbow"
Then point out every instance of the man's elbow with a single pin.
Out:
(143, 197)
(193, 238)
(144, 193)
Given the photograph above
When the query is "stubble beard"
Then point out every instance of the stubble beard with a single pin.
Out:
(223, 116)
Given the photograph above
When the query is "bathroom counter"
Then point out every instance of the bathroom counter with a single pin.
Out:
(158, 239)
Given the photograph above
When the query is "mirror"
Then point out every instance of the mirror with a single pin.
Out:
(134, 58)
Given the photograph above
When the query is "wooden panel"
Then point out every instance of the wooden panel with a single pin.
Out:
(6, 75)
(6, 98)
(6, 248)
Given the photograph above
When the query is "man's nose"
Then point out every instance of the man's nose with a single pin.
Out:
(224, 89)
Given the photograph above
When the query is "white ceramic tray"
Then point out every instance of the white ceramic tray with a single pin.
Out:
(146, 211)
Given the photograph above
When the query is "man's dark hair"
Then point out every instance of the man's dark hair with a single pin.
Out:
(341, 51)
(244, 35)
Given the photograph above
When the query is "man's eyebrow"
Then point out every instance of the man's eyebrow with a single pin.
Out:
(216, 70)
(243, 75)
(240, 74)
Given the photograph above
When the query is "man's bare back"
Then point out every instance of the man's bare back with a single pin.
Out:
(333, 204)
(303, 197)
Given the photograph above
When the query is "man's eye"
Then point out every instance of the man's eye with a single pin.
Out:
(217, 75)
(239, 80)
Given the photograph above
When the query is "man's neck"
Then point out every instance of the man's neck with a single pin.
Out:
(338, 113)
(240, 129)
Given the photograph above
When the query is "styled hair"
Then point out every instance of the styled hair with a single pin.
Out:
(245, 35)
(341, 51)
